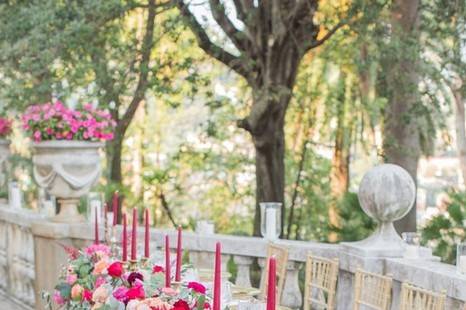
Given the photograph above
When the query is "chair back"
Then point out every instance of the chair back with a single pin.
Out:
(281, 256)
(320, 283)
(372, 291)
(416, 298)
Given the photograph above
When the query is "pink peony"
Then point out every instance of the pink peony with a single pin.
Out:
(99, 250)
(169, 291)
(135, 292)
(57, 298)
(120, 293)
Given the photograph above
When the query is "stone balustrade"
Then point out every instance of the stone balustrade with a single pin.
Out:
(22, 232)
(17, 256)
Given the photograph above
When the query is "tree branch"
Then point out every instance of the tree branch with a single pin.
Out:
(238, 38)
(327, 36)
(141, 87)
(204, 42)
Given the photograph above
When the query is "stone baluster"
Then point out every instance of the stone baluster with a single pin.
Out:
(291, 296)
(3, 257)
(243, 276)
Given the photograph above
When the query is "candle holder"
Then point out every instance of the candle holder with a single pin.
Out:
(113, 242)
(133, 264)
(461, 258)
(176, 285)
(270, 220)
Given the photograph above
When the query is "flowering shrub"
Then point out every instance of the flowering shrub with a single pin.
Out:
(5, 127)
(54, 121)
(94, 280)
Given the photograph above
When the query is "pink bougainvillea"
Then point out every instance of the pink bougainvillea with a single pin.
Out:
(5, 127)
(55, 121)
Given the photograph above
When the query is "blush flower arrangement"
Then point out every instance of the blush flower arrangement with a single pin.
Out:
(5, 127)
(94, 280)
(55, 121)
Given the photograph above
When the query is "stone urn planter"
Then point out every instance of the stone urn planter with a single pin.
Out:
(67, 170)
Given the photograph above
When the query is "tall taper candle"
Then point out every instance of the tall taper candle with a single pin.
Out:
(218, 277)
(115, 207)
(134, 234)
(124, 240)
(271, 294)
(179, 256)
(96, 226)
(146, 234)
(167, 262)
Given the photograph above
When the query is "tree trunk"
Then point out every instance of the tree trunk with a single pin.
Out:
(339, 175)
(460, 131)
(401, 133)
(270, 167)
(115, 150)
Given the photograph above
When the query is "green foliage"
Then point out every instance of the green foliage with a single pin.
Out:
(355, 224)
(444, 231)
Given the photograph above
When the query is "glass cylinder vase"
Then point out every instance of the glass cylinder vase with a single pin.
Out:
(270, 220)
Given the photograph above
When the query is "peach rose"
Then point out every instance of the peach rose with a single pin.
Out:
(100, 266)
(76, 292)
(100, 295)
(155, 303)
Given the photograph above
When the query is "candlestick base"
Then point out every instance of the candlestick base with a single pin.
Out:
(133, 264)
(176, 285)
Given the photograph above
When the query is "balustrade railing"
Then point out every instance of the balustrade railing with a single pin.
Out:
(18, 236)
(17, 256)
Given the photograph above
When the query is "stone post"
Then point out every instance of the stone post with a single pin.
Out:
(50, 255)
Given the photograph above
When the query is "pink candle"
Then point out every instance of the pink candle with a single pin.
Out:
(271, 294)
(147, 234)
(124, 240)
(115, 207)
(217, 277)
(179, 256)
(134, 233)
(167, 262)
(96, 227)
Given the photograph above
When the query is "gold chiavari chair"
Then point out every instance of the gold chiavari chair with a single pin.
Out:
(416, 298)
(281, 256)
(372, 291)
(320, 283)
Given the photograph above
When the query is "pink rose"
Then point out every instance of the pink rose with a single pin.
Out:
(115, 270)
(157, 269)
(197, 287)
(71, 278)
(99, 281)
(87, 295)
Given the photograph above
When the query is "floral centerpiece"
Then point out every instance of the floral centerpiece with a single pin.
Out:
(94, 280)
(66, 144)
(57, 122)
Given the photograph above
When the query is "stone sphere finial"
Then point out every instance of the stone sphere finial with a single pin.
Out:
(387, 193)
